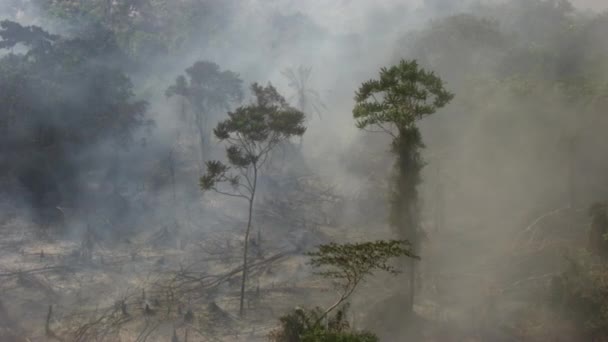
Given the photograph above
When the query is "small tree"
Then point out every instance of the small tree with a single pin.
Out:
(349, 264)
(206, 89)
(404, 94)
(251, 132)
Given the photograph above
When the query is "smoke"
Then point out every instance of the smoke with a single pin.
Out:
(597, 5)
(500, 154)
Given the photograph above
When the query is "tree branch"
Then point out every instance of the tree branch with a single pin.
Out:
(239, 195)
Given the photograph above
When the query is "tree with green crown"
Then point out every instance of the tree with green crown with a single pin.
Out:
(251, 132)
(403, 94)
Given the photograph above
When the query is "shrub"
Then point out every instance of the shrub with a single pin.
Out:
(302, 325)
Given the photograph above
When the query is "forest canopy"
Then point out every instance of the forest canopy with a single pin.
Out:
(60, 96)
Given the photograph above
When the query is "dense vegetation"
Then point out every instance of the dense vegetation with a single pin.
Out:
(60, 97)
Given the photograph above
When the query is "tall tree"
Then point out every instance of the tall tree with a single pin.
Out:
(251, 133)
(207, 90)
(393, 103)
(307, 98)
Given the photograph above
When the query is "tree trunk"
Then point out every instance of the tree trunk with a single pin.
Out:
(404, 204)
(247, 232)
(202, 141)
(244, 273)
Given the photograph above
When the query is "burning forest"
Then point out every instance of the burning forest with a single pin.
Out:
(303, 171)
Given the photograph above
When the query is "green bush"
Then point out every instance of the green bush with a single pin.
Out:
(303, 325)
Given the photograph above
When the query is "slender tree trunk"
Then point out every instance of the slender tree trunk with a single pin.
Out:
(201, 136)
(246, 249)
(340, 300)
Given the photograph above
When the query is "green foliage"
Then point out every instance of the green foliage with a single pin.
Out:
(252, 132)
(403, 94)
(347, 264)
(303, 325)
(267, 122)
(91, 100)
(216, 172)
(58, 98)
(206, 87)
(144, 28)
(207, 90)
(350, 262)
(32, 37)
